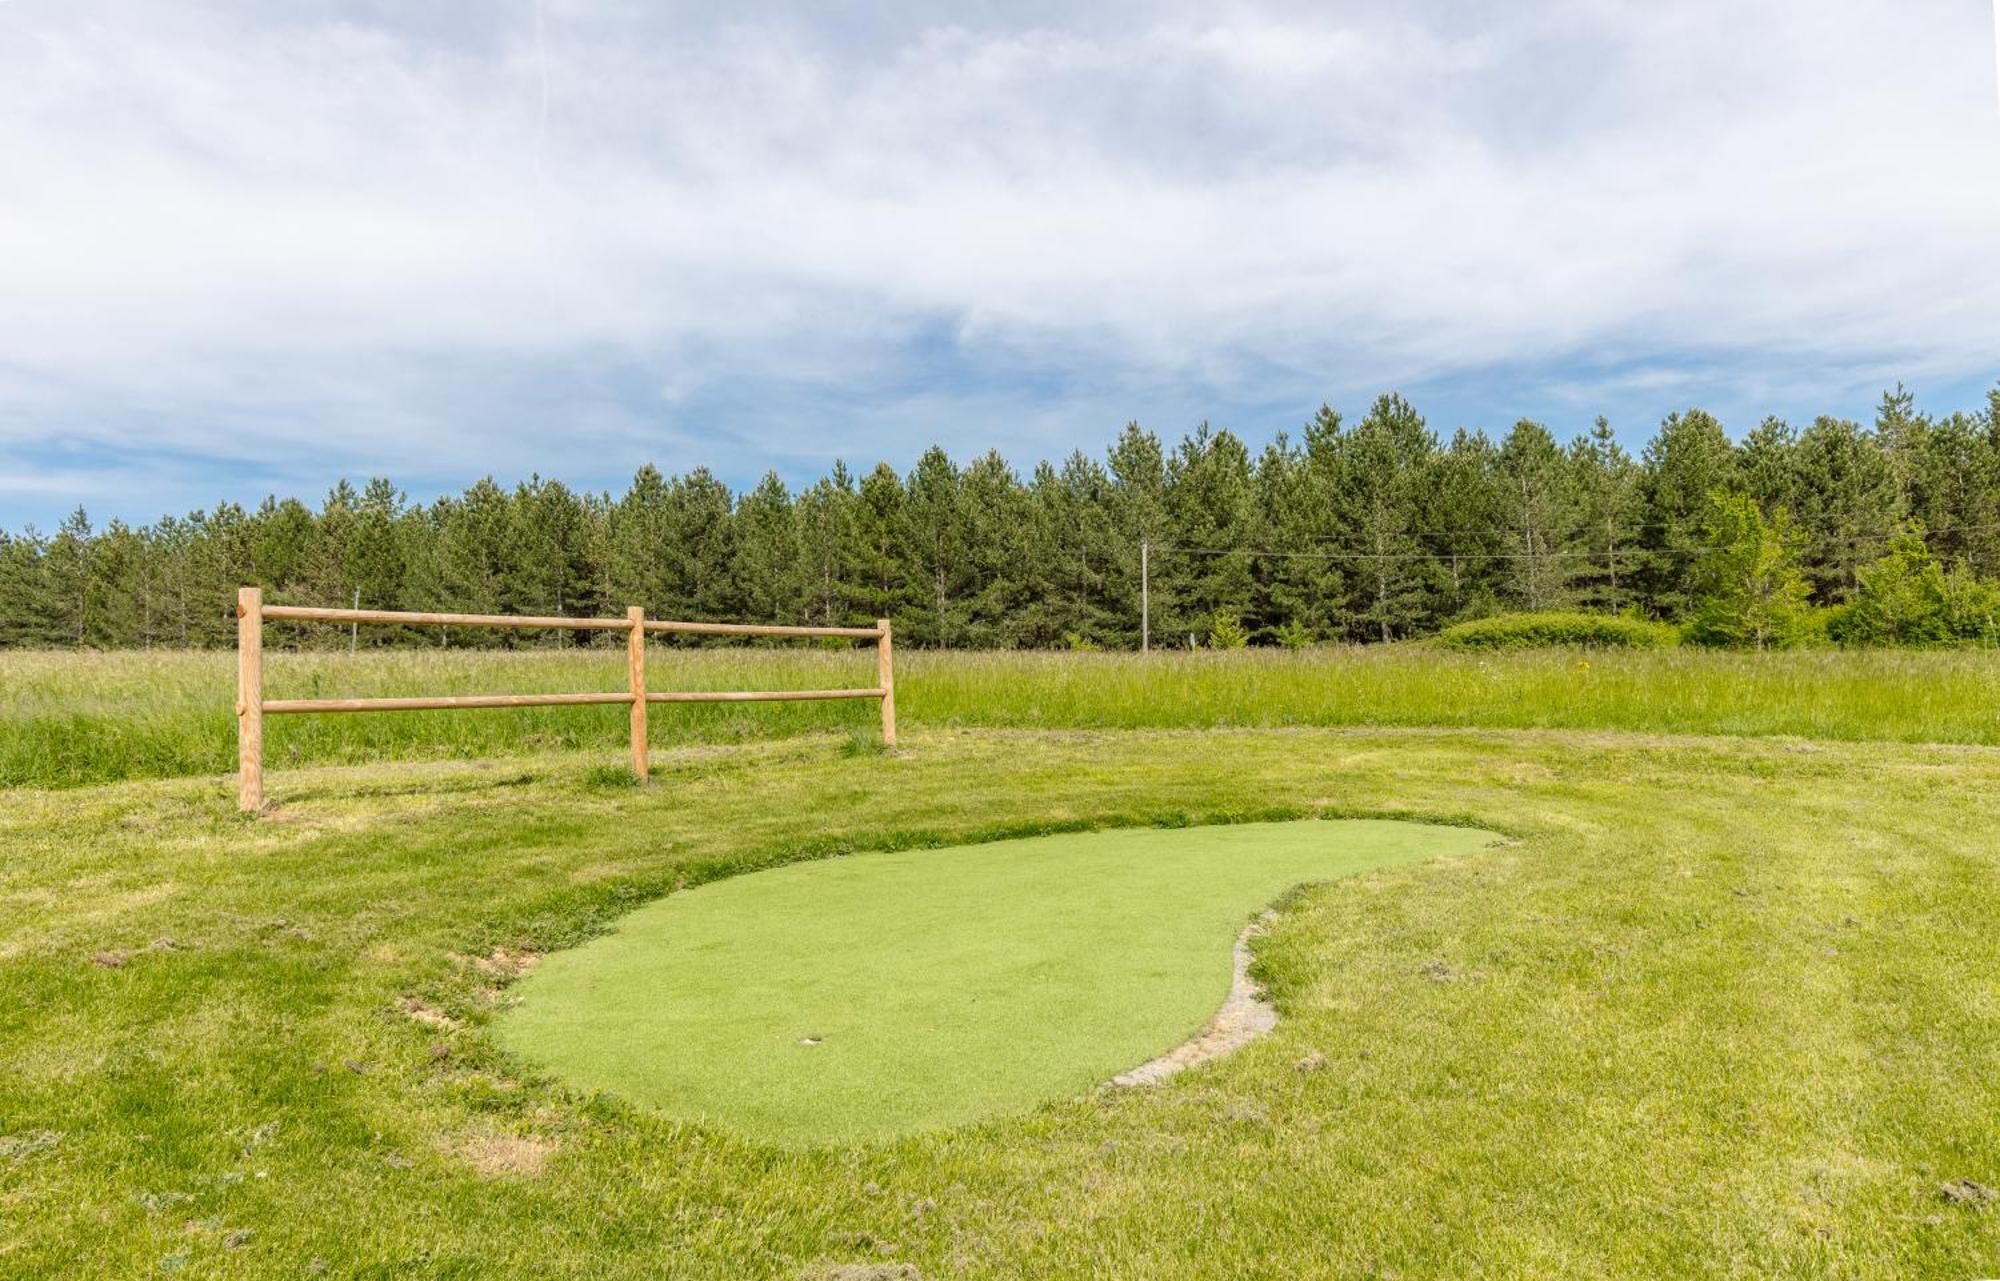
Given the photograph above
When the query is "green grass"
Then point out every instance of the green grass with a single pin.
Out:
(68, 719)
(869, 997)
(1724, 1008)
(1544, 629)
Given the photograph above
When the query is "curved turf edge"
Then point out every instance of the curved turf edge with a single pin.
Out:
(883, 994)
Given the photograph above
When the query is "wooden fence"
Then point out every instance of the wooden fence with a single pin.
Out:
(252, 707)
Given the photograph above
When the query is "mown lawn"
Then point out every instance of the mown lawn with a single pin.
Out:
(1729, 1007)
(886, 994)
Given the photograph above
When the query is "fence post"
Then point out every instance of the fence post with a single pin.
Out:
(886, 678)
(635, 675)
(250, 699)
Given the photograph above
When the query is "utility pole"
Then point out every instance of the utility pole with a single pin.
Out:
(1145, 595)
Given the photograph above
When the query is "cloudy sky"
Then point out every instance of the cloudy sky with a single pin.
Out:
(258, 245)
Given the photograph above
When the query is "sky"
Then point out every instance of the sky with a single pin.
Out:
(253, 246)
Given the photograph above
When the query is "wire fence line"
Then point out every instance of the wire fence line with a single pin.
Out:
(1861, 538)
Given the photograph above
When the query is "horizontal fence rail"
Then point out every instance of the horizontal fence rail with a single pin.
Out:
(252, 706)
(759, 629)
(309, 614)
(761, 695)
(288, 706)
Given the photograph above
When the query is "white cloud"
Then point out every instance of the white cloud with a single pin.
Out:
(351, 236)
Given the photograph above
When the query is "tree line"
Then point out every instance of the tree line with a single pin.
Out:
(1370, 530)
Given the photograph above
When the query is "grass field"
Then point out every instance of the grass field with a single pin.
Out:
(71, 719)
(873, 997)
(1724, 1007)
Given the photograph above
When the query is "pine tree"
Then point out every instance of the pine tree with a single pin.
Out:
(1372, 531)
(1684, 466)
(377, 563)
(934, 545)
(1463, 520)
(596, 596)
(418, 533)
(1848, 502)
(1212, 519)
(827, 514)
(1960, 505)
(878, 575)
(1075, 558)
(700, 547)
(1538, 509)
(1607, 486)
(1385, 467)
(1138, 501)
(119, 592)
(281, 547)
(548, 560)
(1903, 437)
(324, 573)
(999, 524)
(1300, 587)
(168, 548)
(1768, 463)
(67, 575)
(769, 563)
(640, 529)
(29, 613)
(475, 539)
(222, 563)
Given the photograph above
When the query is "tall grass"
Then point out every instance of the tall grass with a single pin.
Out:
(74, 718)
(68, 719)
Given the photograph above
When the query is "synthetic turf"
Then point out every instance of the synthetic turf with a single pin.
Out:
(875, 995)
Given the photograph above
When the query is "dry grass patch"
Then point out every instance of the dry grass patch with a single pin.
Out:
(503, 1156)
(428, 1015)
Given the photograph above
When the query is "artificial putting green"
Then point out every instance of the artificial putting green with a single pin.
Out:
(881, 994)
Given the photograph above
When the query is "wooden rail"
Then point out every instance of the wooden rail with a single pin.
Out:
(252, 706)
(284, 706)
(309, 614)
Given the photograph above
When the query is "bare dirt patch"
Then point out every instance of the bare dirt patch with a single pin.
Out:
(862, 1272)
(504, 964)
(428, 1015)
(1966, 1192)
(1244, 1017)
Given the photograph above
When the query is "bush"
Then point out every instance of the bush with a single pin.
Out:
(1583, 631)
(1225, 631)
(1909, 598)
(1753, 593)
(1294, 635)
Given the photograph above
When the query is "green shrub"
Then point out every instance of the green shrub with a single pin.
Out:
(1294, 635)
(1909, 598)
(1816, 625)
(1753, 595)
(1225, 631)
(1583, 631)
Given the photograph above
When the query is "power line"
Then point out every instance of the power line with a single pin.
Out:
(1437, 556)
(1595, 527)
(1816, 542)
